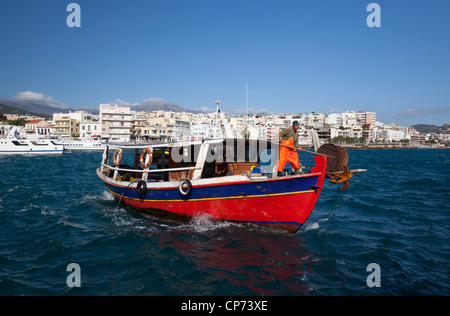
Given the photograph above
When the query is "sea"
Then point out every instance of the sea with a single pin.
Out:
(62, 233)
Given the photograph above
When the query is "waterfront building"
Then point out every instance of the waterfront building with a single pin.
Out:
(78, 124)
(312, 120)
(115, 122)
(138, 122)
(39, 128)
(161, 125)
(182, 130)
(89, 125)
(65, 125)
(349, 119)
(366, 118)
(200, 131)
(334, 120)
(391, 135)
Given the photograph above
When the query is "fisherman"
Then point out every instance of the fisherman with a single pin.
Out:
(288, 146)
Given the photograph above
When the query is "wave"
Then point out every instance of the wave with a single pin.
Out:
(310, 226)
(65, 222)
(12, 189)
(101, 199)
(203, 222)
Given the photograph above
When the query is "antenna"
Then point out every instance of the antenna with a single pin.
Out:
(216, 122)
(246, 96)
(246, 118)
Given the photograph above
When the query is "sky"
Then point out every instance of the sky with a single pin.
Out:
(296, 56)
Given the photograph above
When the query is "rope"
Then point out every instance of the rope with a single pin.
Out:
(120, 200)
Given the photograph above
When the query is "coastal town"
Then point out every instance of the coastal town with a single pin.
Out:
(116, 123)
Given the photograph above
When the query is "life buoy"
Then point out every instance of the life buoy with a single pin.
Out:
(4, 136)
(146, 152)
(183, 184)
(117, 157)
(141, 188)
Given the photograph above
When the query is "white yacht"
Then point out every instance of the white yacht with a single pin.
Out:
(12, 143)
(90, 144)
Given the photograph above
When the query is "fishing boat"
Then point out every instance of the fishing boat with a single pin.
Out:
(231, 180)
(12, 143)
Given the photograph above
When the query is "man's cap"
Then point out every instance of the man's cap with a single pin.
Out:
(295, 123)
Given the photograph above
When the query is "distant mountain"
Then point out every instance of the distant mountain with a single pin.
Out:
(158, 105)
(89, 110)
(424, 128)
(6, 109)
(34, 106)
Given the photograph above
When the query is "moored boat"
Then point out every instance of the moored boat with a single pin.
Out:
(12, 143)
(83, 144)
(228, 179)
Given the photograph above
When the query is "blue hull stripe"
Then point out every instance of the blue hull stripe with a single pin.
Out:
(239, 190)
(268, 222)
(31, 151)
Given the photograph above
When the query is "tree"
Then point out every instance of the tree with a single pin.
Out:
(19, 122)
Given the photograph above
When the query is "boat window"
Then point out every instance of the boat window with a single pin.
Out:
(15, 142)
(39, 144)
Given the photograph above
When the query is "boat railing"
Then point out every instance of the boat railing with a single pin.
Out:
(144, 172)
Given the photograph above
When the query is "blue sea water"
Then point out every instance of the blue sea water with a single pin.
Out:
(55, 211)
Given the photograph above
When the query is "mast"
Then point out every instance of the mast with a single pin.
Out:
(246, 118)
(216, 123)
(246, 96)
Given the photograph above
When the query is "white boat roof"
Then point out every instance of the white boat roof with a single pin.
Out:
(158, 145)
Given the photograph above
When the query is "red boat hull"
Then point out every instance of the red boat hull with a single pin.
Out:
(284, 203)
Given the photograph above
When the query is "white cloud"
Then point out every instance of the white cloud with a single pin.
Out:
(206, 109)
(408, 113)
(37, 97)
(126, 103)
(123, 103)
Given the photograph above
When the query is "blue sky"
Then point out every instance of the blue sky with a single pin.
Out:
(297, 56)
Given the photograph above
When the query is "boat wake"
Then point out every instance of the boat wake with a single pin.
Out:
(203, 222)
(311, 226)
(104, 197)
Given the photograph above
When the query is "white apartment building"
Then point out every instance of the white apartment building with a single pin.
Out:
(79, 124)
(89, 125)
(182, 130)
(115, 122)
(334, 119)
(65, 125)
(200, 131)
(138, 125)
(349, 119)
(313, 120)
(304, 136)
(366, 118)
(160, 125)
(391, 135)
(89, 129)
(36, 128)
